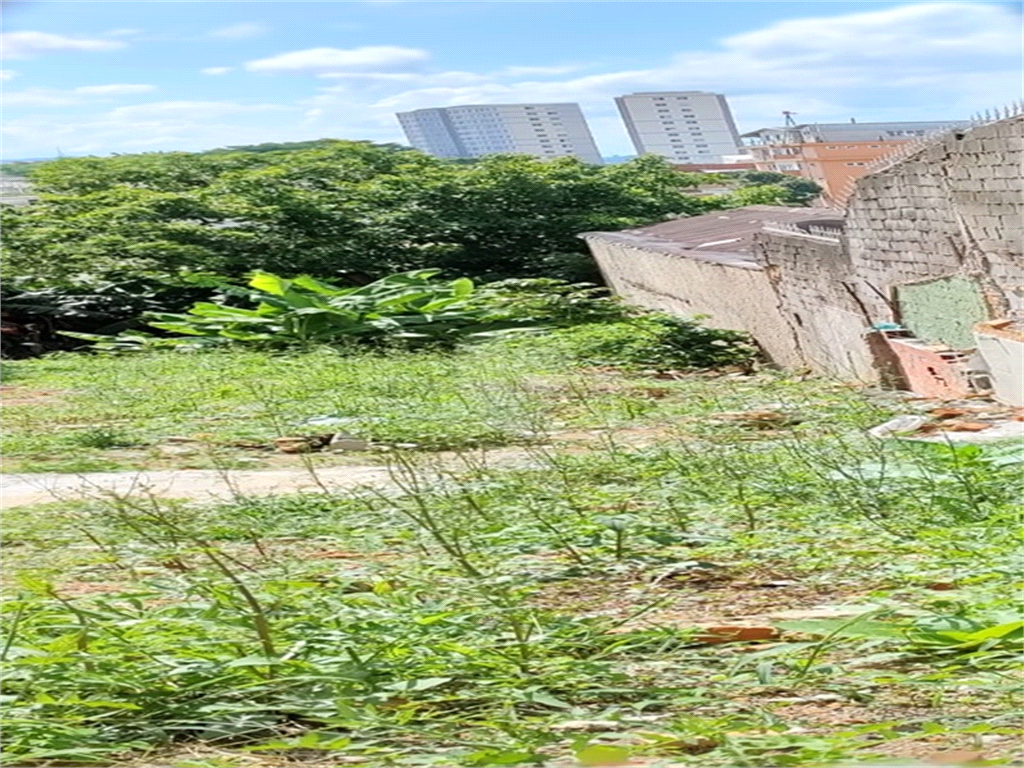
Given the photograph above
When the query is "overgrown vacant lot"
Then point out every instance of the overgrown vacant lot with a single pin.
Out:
(73, 413)
(703, 570)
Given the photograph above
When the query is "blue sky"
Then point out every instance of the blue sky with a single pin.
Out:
(103, 77)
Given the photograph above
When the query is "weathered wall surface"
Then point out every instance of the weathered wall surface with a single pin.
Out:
(1004, 353)
(943, 310)
(934, 241)
(953, 208)
(736, 295)
(813, 279)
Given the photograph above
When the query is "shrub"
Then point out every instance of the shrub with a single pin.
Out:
(553, 302)
(658, 341)
(409, 308)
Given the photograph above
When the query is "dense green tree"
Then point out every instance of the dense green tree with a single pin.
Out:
(349, 210)
(751, 178)
(800, 190)
(797, 189)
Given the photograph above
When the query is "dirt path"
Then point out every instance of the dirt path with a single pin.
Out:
(196, 484)
(211, 484)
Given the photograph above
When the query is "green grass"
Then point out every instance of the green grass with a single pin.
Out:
(437, 401)
(79, 412)
(478, 615)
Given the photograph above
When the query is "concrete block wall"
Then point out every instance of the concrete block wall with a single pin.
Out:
(954, 207)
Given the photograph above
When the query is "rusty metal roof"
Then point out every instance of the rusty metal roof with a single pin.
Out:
(725, 237)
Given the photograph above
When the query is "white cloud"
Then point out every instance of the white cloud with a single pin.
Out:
(239, 31)
(216, 70)
(7, 74)
(407, 79)
(916, 61)
(527, 71)
(323, 60)
(87, 94)
(117, 89)
(40, 97)
(171, 125)
(916, 32)
(190, 110)
(123, 32)
(24, 45)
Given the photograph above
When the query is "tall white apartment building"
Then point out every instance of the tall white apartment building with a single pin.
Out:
(683, 126)
(474, 130)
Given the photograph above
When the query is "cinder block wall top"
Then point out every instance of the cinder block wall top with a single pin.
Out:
(954, 207)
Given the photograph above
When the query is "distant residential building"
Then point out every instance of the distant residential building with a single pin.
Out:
(715, 167)
(474, 130)
(834, 154)
(683, 126)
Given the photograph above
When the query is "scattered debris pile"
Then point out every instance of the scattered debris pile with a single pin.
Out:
(966, 420)
(332, 441)
(992, 367)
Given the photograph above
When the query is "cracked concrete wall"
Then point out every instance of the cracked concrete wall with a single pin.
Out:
(953, 208)
(814, 281)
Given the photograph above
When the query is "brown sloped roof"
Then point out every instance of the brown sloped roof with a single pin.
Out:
(720, 236)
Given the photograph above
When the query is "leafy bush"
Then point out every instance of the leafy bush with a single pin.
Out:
(791, 190)
(408, 308)
(657, 341)
(413, 309)
(34, 318)
(554, 302)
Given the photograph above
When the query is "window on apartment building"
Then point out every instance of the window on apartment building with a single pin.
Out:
(832, 147)
(876, 146)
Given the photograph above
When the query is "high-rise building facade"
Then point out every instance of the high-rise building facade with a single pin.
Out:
(474, 130)
(683, 126)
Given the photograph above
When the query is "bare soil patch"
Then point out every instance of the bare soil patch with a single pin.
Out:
(18, 394)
